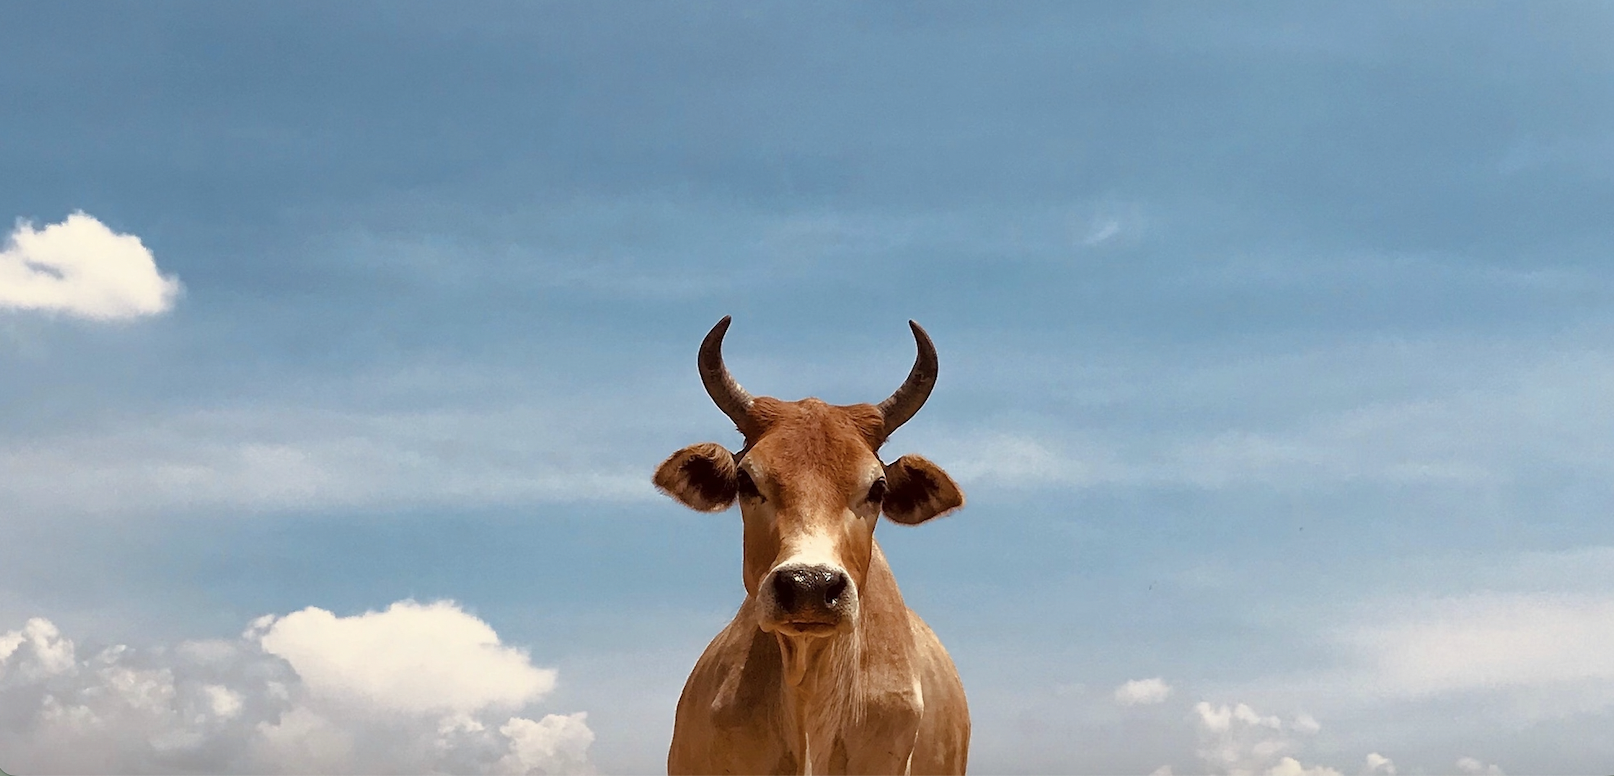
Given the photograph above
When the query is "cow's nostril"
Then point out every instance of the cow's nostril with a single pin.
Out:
(785, 584)
(832, 592)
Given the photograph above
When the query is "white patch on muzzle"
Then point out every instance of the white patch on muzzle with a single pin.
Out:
(810, 552)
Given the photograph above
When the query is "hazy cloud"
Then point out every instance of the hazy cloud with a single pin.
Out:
(1289, 766)
(1142, 692)
(1491, 641)
(1470, 765)
(1378, 764)
(79, 267)
(1496, 649)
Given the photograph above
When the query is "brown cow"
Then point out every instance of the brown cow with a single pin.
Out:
(824, 669)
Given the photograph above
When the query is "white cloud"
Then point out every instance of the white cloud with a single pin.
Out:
(541, 745)
(43, 651)
(80, 267)
(413, 658)
(1142, 692)
(308, 692)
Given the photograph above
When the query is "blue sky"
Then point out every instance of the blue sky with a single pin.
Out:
(1275, 362)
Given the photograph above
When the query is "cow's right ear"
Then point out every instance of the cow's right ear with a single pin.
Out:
(702, 477)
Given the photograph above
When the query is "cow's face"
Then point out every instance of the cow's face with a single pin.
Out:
(811, 488)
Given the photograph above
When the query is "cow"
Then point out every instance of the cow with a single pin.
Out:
(823, 669)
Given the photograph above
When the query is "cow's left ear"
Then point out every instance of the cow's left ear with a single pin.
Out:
(917, 490)
(701, 477)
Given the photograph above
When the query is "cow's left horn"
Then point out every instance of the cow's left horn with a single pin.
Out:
(720, 385)
(916, 389)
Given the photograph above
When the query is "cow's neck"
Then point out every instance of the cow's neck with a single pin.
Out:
(823, 676)
(820, 692)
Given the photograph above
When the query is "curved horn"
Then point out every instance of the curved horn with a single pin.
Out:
(720, 385)
(916, 389)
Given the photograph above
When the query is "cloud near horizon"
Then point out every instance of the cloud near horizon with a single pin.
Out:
(1239, 740)
(414, 688)
(1541, 642)
(79, 267)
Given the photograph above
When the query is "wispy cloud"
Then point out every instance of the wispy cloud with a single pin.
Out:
(81, 268)
(1111, 224)
(1549, 414)
(297, 458)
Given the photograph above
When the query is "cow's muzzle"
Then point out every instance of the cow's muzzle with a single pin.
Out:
(808, 600)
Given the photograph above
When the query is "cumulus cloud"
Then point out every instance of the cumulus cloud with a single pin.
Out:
(414, 688)
(1142, 692)
(410, 658)
(79, 267)
(1238, 740)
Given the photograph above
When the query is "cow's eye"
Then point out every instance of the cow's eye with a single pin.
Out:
(877, 491)
(746, 486)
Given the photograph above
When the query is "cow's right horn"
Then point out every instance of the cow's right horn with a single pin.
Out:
(720, 385)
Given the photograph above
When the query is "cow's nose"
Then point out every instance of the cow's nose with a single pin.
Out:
(806, 587)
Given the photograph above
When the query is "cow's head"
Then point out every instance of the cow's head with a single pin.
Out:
(811, 487)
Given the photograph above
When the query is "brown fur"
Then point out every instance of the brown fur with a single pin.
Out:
(878, 695)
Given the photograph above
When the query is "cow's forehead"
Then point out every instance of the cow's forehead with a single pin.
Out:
(812, 439)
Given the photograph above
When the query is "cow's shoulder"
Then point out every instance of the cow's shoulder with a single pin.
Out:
(747, 674)
(729, 716)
